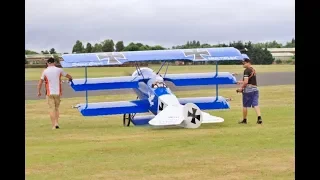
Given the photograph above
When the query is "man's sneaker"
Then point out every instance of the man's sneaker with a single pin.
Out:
(243, 122)
(259, 121)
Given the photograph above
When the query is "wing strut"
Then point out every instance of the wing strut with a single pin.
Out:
(161, 67)
(138, 69)
(85, 82)
(166, 70)
(217, 86)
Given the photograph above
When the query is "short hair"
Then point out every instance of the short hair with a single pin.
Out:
(50, 60)
(247, 60)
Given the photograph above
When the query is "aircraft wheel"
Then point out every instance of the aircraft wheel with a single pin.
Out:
(127, 119)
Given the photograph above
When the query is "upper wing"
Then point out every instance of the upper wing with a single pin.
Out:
(196, 79)
(113, 108)
(112, 58)
(105, 83)
(207, 103)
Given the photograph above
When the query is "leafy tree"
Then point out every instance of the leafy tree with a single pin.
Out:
(205, 45)
(131, 47)
(97, 48)
(52, 51)
(291, 44)
(107, 45)
(45, 52)
(89, 48)
(78, 47)
(27, 52)
(260, 56)
(56, 58)
(198, 44)
(119, 46)
(157, 47)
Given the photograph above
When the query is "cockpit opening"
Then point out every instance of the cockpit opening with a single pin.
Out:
(157, 81)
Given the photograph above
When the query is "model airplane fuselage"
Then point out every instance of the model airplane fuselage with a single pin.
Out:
(160, 97)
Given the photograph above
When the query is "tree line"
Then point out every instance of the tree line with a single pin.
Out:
(256, 51)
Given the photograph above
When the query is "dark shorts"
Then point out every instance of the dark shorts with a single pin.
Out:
(250, 99)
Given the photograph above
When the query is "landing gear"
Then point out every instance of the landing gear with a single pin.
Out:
(127, 118)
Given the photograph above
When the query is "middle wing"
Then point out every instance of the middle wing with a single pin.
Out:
(198, 79)
(105, 83)
(113, 108)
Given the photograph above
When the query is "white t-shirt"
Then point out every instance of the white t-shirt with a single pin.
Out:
(52, 77)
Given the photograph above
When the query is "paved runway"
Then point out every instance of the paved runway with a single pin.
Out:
(264, 79)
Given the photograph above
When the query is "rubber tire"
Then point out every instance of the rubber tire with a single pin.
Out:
(129, 120)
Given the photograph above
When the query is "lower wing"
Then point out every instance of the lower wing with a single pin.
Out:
(198, 79)
(114, 108)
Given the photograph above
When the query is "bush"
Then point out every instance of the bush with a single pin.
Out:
(278, 61)
(289, 61)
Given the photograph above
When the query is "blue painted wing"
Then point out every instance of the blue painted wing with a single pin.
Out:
(207, 103)
(112, 58)
(114, 108)
(123, 82)
(197, 79)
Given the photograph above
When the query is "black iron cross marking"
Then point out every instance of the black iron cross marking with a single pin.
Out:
(161, 106)
(194, 116)
(113, 57)
(196, 53)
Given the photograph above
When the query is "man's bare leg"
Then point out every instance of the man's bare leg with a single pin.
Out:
(244, 115)
(257, 109)
(57, 117)
(244, 112)
(53, 119)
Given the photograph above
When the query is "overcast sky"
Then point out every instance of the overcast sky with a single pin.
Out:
(60, 23)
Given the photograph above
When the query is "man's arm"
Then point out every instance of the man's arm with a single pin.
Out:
(66, 75)
(40, 86)
(40, 83)
(246, 75)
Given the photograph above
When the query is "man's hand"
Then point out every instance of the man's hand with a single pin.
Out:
(240, 90)
(39, 94)
(239, 82)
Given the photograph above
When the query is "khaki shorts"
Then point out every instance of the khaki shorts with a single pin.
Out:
(53, 101)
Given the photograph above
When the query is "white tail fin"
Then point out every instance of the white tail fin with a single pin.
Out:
(207, 118)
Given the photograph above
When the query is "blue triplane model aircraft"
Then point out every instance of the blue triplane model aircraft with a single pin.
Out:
(153, 95)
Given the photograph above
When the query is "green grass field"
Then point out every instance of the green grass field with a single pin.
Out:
(101, 148)
(34, 73)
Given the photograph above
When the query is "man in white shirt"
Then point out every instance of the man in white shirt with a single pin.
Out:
(52, 78)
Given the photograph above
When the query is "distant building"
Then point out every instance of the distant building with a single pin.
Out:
(40, 58)
(282, 54)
